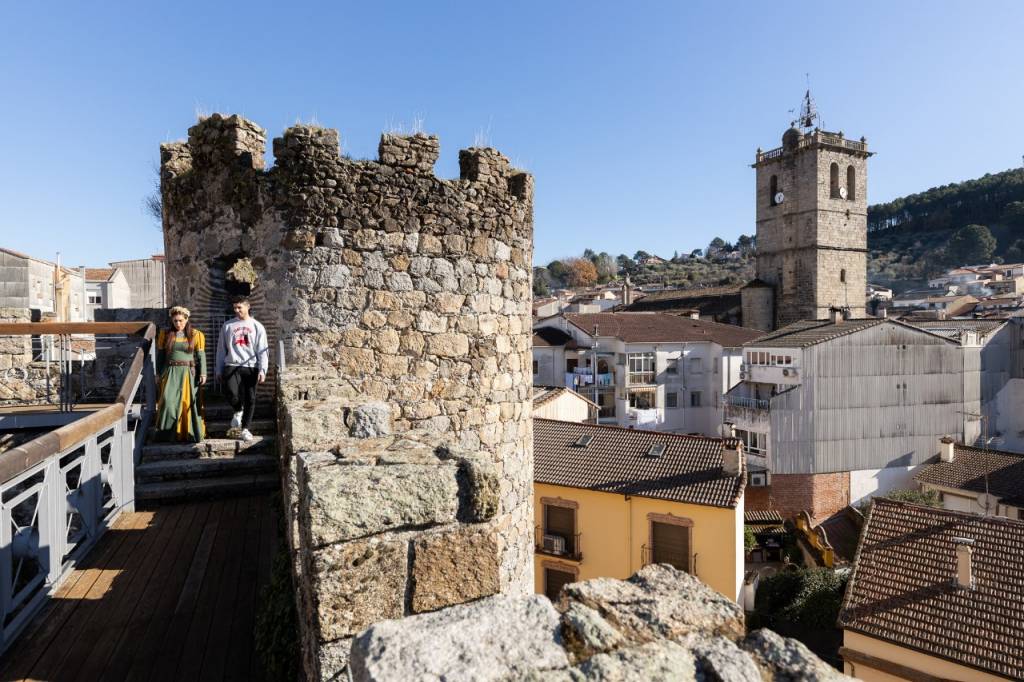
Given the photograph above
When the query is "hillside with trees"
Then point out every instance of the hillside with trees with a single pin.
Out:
(721, 263)
(966, 223)
(910, 239)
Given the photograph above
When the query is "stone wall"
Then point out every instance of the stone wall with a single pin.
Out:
(661, 624)
(22, 381)
(383, 284)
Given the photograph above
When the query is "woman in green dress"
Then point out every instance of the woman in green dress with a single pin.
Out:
(181, 363)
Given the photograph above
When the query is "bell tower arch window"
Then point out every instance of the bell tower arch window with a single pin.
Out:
(773, 189)
(851, 183)
(833, 180)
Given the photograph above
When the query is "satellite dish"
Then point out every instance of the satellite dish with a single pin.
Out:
(842, 192)
(779, 197)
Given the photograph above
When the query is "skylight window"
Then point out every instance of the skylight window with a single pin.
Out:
(656, 450)
(584, 440)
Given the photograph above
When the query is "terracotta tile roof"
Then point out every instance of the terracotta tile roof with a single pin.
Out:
(903, 587)
(842, 530)
(769, 516)
(661, 328)
(967, 471)
(545, 394)
(98, 274)
(551, 336)
(616, 461)
(719, 303)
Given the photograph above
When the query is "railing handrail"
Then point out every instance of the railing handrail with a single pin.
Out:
(43, 328)
(19, 459)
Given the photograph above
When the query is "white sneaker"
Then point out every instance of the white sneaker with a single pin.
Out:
(246, 435)
(236, 420)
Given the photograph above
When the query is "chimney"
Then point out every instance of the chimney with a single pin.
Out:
(835, 315)
(728, 430)
(731, 454)
(946, 445)
(964, 570)
(883, 312)
(627, 291)
(694, 314)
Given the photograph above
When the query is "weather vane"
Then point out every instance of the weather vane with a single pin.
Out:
(808, 117)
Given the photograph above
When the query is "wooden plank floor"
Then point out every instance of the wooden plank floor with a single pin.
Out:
(169, 594)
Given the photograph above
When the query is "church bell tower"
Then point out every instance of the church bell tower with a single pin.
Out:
(811, 226)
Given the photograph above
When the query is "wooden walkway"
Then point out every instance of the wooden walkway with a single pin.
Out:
(169, 594)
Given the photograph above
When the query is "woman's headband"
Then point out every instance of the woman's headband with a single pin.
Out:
(179, 310)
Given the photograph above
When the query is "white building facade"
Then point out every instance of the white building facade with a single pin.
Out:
(645, 370)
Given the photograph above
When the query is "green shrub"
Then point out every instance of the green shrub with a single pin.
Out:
(928, 498)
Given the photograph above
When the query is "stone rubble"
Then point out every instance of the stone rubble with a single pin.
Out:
(660, 624)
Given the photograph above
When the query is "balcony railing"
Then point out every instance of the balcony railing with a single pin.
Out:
(817, 137)
(749, 403)
(60, 491)
(558, 544)
(647, 556)
(641, 378)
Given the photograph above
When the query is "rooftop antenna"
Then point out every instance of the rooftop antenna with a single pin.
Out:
(808, 119)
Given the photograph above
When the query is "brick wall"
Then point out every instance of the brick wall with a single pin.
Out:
(819, 494)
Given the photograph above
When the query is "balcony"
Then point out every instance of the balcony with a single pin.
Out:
(558, 545)
(649, 555)
(820, 138)
(751, 403)
(748, 413)
(641, 379)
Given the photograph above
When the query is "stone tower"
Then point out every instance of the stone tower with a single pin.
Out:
(401, 303)
(811, 229)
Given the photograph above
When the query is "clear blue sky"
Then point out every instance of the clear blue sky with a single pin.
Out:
(639, 120)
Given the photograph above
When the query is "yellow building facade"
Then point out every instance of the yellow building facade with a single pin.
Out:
(616, 534)
(873, 660)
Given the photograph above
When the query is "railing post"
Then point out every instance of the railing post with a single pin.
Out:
(90, 488)
(123, 449)
(6, 574)
(52, 518)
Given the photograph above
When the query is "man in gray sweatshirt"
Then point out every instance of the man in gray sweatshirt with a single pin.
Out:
(242, 354)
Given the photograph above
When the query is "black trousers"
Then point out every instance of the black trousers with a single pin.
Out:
(241, 385)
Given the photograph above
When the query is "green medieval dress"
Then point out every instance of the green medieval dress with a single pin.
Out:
(179, 412)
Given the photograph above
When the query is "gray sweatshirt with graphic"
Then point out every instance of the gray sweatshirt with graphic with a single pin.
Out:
(242, 343)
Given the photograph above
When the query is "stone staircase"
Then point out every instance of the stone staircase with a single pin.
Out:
(216, 468)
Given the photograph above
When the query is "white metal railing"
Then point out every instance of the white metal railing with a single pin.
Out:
(61, 491)
(751, 403)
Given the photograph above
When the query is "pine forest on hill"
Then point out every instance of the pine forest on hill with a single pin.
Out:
(910, 239)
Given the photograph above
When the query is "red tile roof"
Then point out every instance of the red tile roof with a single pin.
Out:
(98, 274)
(903, 588)
(661, 328)
(971, 466)
(616, 461)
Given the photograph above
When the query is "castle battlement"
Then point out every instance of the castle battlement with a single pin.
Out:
(233, 144)
(383, 284)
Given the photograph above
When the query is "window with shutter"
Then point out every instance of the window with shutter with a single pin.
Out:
(561, 521)
(670, 545)
(554, 580)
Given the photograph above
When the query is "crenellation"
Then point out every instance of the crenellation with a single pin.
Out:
(417, 152)
(218, 141)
